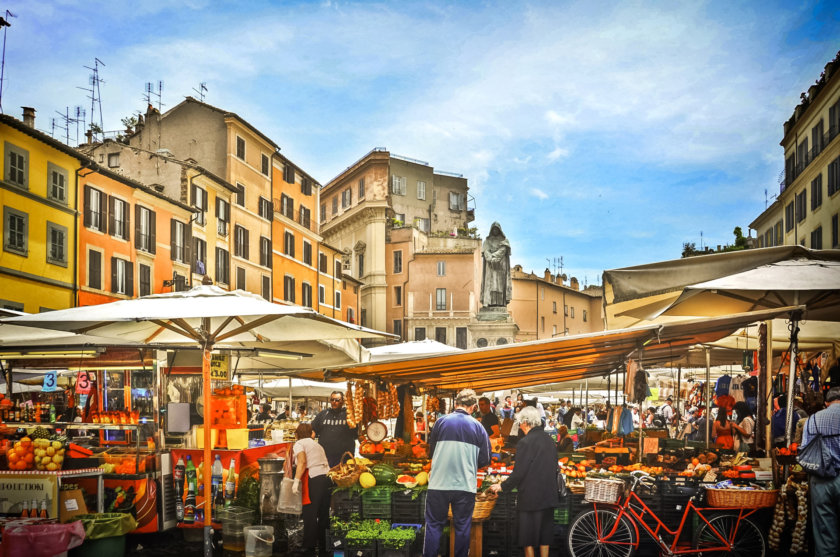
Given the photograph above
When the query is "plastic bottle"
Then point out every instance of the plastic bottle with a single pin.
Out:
(216, 488)
(189, 503)
(52, 413)
(230, 484)
(178, 483)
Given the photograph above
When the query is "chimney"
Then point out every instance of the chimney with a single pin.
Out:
(29, 116)
(547, 275)
(573, 283)
(140, 124)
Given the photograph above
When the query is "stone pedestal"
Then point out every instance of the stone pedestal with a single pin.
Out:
(492, 326)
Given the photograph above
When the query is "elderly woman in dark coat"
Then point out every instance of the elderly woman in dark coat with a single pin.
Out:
(535, 476)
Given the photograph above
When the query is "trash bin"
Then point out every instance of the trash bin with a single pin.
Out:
(105, 534)
(42, 540)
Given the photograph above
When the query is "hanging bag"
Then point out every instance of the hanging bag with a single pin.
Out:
(289, 502)
(815, 457)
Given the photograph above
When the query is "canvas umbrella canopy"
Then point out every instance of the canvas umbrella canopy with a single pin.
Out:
(203, 316)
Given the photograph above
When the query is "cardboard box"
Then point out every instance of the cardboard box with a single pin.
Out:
(70, 504)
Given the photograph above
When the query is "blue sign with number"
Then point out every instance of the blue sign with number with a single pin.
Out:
(50, 382)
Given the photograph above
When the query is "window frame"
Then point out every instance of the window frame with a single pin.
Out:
(361, 188)
(289, 288)
(114, 160)
(816, 234)
(398, 296)
(222, 266)
(421, 190)
(441, 268)
(305, 294)
(264, 208)
(240, 241)
(240, 194)
(440, 294)
(53, 170)
(22, 250)
(90, 270)
(241, 279)
(816, 192)
(397, 262)
(9, 167)
(63, 231)
(119, 228)
(265, 164)
(178, 241)
(421, 336)
(337, 299)
(265, 252)
(307, 253)
(96, 214)
(144, 281)
(289, 244)
(240, 148)
(322, 294)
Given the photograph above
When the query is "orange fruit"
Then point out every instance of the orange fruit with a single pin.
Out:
(26, 441)
(13, 457)
(29, 458)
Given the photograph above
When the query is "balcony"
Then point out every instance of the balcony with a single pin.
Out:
(800, 166)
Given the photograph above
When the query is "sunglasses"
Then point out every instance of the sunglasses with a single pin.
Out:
(335, 400)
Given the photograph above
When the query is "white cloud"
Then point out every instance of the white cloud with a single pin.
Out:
(538, 193)
(558, 153)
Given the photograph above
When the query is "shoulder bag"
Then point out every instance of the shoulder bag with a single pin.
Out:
(815, 457)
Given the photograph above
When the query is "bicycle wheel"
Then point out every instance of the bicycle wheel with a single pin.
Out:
(747, 539)
(588, 529)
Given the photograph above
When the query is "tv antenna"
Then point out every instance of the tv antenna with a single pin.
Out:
(95, 96)
(4, 22)
(701, 240)
(80, 117)
(65, 120)
(202, 90)
(150, 92)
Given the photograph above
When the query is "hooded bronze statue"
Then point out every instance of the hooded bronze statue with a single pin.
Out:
(496, 284)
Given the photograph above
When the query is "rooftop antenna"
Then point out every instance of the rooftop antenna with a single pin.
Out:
(95, 96)
(80, 117)
(202, 90)
(4, 22)
(765, 198)
(150, 92)
(67, 120)
(701, 240)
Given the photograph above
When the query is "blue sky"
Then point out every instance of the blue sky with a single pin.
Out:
(606, 133)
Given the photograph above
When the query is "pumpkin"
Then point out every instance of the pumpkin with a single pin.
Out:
(367, 480)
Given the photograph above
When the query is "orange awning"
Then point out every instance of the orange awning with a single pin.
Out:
(553, 360)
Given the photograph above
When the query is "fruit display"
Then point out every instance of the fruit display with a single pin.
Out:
(384, 473)
(22, 455)
(49, 455)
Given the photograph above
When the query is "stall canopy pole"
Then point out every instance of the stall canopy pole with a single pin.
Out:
(708, 393)
(289, 408)
(586, 405)
(679, 388)
(208, 502)
(766, 379)
(794, 340)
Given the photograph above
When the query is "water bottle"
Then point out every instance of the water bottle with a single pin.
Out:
(216, 488)
(230, 484)
(178, 482)
(192, 488)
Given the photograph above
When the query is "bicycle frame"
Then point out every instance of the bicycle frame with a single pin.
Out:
(636, 517)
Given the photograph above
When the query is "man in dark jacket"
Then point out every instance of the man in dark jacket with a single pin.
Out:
(333, 433)
(535, 476)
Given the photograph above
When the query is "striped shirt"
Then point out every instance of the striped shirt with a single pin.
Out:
(827, 423)
(459, 446)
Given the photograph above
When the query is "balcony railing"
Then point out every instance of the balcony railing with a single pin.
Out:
(813, 153)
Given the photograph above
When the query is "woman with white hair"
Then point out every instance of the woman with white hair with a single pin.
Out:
(535, 476)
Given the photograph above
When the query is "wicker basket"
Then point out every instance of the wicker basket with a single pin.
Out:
(481, 511)
(742, 498)
(345, 474)
(601, 490)
(577, 489)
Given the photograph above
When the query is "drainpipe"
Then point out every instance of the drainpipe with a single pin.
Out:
(564, 314)
(537, 302)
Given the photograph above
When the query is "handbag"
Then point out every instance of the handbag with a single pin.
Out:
(562, 490)
(815, 457)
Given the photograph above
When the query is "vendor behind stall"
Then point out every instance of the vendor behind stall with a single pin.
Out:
(333, 433)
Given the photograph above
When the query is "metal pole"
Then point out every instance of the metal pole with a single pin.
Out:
(289, 409)
(794, 340)
(709, 394)
(765, 403)
(586, 405)
(679, 388)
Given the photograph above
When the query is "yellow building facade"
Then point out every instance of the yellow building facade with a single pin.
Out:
(39, 204)
(807, 209)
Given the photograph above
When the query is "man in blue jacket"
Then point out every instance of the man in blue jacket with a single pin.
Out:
(458, 446)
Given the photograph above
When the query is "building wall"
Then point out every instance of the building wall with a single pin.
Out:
(29, 280)
(96, 281)
(812, 169)
(543, 307)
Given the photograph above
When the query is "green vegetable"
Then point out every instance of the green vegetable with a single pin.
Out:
(398, 537)
(248, 493)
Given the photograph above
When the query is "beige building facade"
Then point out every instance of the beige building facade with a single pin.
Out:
(545, 307)
(376, 197)
(807, 209)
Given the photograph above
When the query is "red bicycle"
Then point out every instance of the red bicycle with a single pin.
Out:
(612, 530)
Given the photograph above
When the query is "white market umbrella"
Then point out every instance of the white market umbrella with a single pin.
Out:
(285, 387)
(410, 348)
(205, 315)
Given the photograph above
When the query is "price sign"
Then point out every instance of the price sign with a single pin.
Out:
(219, 367)
(83, 383)
(50, 382)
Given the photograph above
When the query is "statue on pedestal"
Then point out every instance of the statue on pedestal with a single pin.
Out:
(496, 284)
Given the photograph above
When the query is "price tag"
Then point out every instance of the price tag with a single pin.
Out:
(50, 382)
(83, 383)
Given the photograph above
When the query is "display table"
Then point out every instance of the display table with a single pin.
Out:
(25, 485)
(476, 537)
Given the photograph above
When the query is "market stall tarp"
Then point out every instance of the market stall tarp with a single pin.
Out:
(558, 359)
(279, 387)
(408, 349)
(753, 279)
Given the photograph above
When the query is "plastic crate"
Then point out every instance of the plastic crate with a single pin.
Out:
(505, 508)
(406, 508)
(335, 540)
(376, 503)
(346, 503)
(561, 515)
(671, 509)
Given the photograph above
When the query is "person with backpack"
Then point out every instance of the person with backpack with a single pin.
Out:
(825, 483)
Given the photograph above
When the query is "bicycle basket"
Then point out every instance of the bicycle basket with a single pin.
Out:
(601, 490)
(748, 498)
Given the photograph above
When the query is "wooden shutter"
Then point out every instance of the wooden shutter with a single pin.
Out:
(173, 247)
(219, 208)
(112, 222)
(137, 231)
(88, 216)
(192, 196)
(127, 225)
(129, 279)
(103, 208)
(95, 269)
(113, 274)
(152, 230)
(245, 235)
